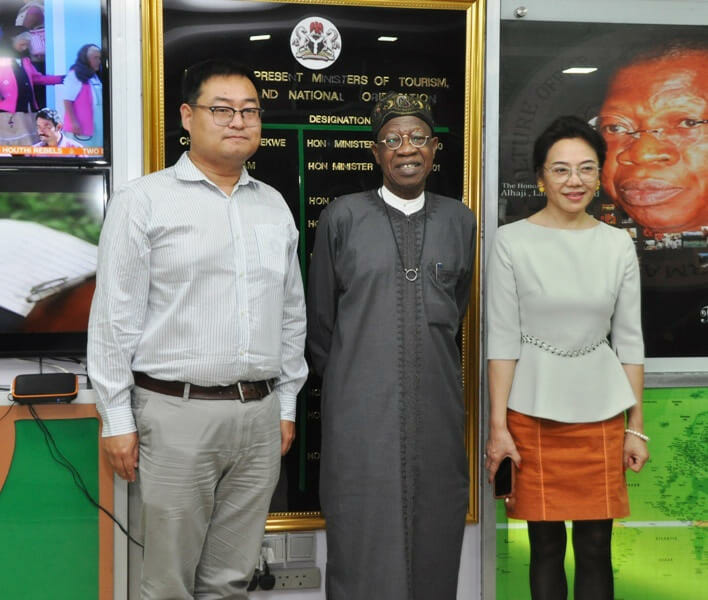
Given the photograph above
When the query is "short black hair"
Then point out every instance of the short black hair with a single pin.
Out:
(194, 77)
(564, 128)
(49, 114)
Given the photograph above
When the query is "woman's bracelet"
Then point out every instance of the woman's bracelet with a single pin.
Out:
(641, 436)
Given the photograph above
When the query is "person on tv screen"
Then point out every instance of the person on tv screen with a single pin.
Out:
(196, 343)
(31, 16)
(49, 129)
(18, 78)
(388, 289)
(83, 97)
(654, 119)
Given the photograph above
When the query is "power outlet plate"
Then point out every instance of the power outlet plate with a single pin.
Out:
(297, 579)
(276, 542)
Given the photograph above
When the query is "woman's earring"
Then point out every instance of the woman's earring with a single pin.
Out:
(541, 187)
(598, 185)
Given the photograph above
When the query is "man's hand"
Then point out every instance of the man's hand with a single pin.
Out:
(122, 453)
(287, 435)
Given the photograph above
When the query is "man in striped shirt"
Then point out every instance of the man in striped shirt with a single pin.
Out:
(196, 342)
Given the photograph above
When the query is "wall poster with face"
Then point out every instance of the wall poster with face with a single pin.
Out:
(322, 66)
(645, 88)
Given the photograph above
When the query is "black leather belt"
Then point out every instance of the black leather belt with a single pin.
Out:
(245, 391)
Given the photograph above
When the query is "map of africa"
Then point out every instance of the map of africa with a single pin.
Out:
(660, 552)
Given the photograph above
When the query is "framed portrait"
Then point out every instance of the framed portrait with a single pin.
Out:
(322, 66)
(573, 58)
(643, 86)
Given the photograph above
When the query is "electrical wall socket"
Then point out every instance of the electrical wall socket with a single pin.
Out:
(300, 547)
(287, 548)
(275, 541)
(294, 579)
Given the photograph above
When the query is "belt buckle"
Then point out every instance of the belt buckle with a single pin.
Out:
(240, 391)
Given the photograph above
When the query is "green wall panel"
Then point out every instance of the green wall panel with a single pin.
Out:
(48, 528)
(660, 551)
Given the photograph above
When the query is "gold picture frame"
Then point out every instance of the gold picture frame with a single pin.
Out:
(473, 13)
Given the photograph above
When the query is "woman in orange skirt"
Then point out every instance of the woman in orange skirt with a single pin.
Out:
(566, 357)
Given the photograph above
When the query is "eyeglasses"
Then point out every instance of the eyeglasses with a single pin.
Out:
(587, 172)
(621, 132)
(393, 141)
(224, 115)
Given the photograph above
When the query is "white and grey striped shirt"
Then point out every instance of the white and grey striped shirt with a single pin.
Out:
(194, 285)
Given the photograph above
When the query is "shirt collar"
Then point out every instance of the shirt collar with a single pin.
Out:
(186, 170)
(407, 207)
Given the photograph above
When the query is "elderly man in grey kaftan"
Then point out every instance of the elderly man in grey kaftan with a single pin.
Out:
(389, 285)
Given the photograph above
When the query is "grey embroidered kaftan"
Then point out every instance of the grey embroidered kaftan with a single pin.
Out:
(394, 475)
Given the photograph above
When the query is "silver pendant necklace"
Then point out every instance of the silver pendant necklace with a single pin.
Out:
(410, 273)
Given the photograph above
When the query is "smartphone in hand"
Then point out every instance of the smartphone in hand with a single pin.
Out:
(504, 478)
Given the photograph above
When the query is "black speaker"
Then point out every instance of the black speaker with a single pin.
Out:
(45, 388)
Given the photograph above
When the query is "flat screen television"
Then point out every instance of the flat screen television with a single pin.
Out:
(50, 220)
(54, 83)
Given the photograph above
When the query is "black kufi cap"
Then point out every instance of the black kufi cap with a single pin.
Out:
(398, 104)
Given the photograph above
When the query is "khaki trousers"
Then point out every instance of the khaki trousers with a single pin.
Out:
(207, 470)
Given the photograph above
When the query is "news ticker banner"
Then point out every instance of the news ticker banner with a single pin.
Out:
(322, 68)
(50, 151)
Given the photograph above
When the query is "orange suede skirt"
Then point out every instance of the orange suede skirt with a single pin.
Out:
(569, 471)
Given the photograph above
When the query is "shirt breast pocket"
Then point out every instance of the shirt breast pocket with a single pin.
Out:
(272, 243)
(439, 294)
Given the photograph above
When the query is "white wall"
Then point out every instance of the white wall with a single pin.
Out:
(127, 146)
